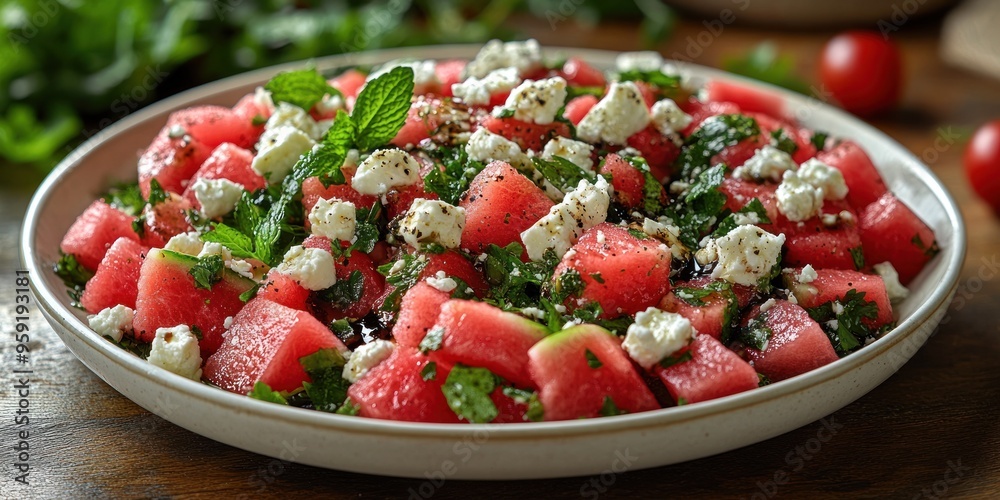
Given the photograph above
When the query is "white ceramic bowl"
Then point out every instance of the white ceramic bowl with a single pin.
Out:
(531, 450)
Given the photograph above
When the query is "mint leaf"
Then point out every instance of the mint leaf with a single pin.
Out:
(665, 82)
(238, 243)
(249, 294)
(652, 190)
(715, 135)
(693, 296)
(676, 359)
(263, 392)
(349, 408)
(818, 140)
(382, 106)
(513, 283)
(73, 275)
(429, 372)
(345, 293)
(858, 256)
(700, 207)
(325, 160)
(535, 411)
(402, 278)
(366, 230)
(125, 197)
(468, 391)
(592, 360)
(562, 173)
(156, 193)
(848, 330)
(755, 207)
(609, 408)
(207, 271)
(451, 182)
(756, 333)
(328, 389)
(302, 88)
(783, 141)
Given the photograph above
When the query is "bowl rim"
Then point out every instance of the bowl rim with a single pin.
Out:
(57, 311)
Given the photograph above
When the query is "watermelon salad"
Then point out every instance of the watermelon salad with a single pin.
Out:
(505, 239)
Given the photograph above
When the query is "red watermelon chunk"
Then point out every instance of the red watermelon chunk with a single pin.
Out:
(833, 284)
(812, 242)
(710, 315)
(373, 283)
(797, 344)
(579, 73)
(478, 334)
(284, 290)
(891, 232)
(712, 372)
(741, 192)
(249, 109)
(167, 297)
(658, 150)
(449, 73)
(747, 98)
(500, 204)
(573, 384)
(527, 135)
(349, 82)
(627, 180)
(94, 231)
(418, 311)
(455, 265)
(230, 162)
(509, 411)
(313, 189)
(864, 183)
(620, 272)
(398, 200)
(427, 115)
(578, 107)
(265, 344)
(214, 125)
(699, 111)
(395, 390)
(117, 277)
(165, 220)
(171, 162)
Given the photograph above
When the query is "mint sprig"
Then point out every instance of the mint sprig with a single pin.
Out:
(303, 88)
(382, 106)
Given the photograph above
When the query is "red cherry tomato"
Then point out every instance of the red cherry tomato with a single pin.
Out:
(863, 72)
(982, 163)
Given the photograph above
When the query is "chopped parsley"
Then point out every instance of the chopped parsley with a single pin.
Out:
(592, 360)
(756, 333)
(207, 271)
(73, 275)
(783, 141)
(433, 340)
(328, 389)
(126, 197)
(467, 390)
(715, 135)
(929, 251)
(858, 256)
(609, 408)
(754, 210)
(676, 359)
(263, 392)
(451, 182)
(156, 193)
(848, 330)
(535, 411)
(667, 83)
(699, 209)
(818, 140)
(345, 293)
(402, 276)
(429, 371)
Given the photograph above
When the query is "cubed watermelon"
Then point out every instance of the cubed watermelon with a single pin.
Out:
(165, 220)
(214, 125)
(833, 284)
(456, 265)
(265, 344)
(627, 180)
(699, 111)
(747, 98)
(797, 343)
(449, 73)
(713, 371)
(418, 311)
(578, 107)
(313, 189)
(94, 231)
(658, 150)
(499, 205)
(622, 273)
(117, 277)
(373, 283)
(171, 161)
(230, 162)
(168, 296)
(283, 289)
(527, 135)
(891, 232)
(583, 369)
(395, 389)
(713, 314)
(349, 83)
(579, 73)
(864, 183)
(478, 334)
(830, 247)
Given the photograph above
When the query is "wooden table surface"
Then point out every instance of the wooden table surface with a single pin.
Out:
(931, 430)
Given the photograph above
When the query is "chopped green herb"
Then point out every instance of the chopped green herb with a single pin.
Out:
(592, 360)
(263, 392)
(125, 197)
(505, 113)
(762, 380)
(303, 88)
(156, 193)
(467, 390)
(345, 293)
(609, 408)
(451, 182)
(652, 189)
(139, 226)
(700, 207)
(568, 284)
(535, 411)
(676, 359)
(341, 328)
(597, 277)
(756, 333)
(637, 234)
(754, 210)
(573, 92)
(666, 83)
(432, 341)
(249, 294)
(349, 408)
(72, 274)
(693, 296)
(715, 135)
(858, 256)
(783, 142)
(140, 349)
(818, 140)
(562, 173)
(513, 283)
(929, 251)
(207, 272)
(198, 334)
(429, 372)
(367, 230)
(848, 330)
(681, 401)
(402, 278)
(258, 120)
(328, 389)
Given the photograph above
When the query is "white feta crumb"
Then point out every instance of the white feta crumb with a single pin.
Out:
(560, 308)
(797, 199)
(188, 243)
(621, 113)
(743, 219)
(833, 324)
(228, 322)
(655, 335)
(262, 99)
(213, 248)
(240, 267)
(524, 57)
(601, 238)
(366, 357)
(384, 170)
(327, 106)
(290, 115)
(807, 274)
(537, 101)
(667, 233)
(827, 179)
(278, 150)
(767, 305)
(679, 187)
(112, 321)
(581, 209)
(442, 282)
(643, 60)
(478, 91)
(217, 197)
(312, 268)
(533, 312)
(838, 308)
(745, 254)
(890, 277)
(578, 152)
(176, 132)
(334, 219)
(767, 163)
(668, 117)
(432, 221)
(176, 350)
(424, 72)
(485, 146)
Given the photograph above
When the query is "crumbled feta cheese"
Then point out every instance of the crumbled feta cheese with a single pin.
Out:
(213, 248)
(384, 170)
(424, 72)
(643, 60)
(328, 106)
(827, 179)
(833, 324)
(767, 163)
(767, 305)
(745, 254)
(522, 56)
(432, 221)
(807, 274)
(533, 312)
(485, 146)
(217, 197)
(477, 91)
(668, 117)
(188, 243)
(262, 99)
(228, 322)
(655, 335)
(581, 209)
(241, 267)
(667, 233)
(621, 113)
(176, 350)
(176, 132)
(278, 151)
(797, 199)
(838, 308)
(334, 219)
(561, 309)
(679, 187)
(890, 277)
(442, 282)
(578, 152)
(112, 321)
(537, 101)
(310, 267)
(366, 357)
(289, 115)
(750, 218)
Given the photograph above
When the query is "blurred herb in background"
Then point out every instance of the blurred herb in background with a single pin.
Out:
(71, 67)
(765, 64)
